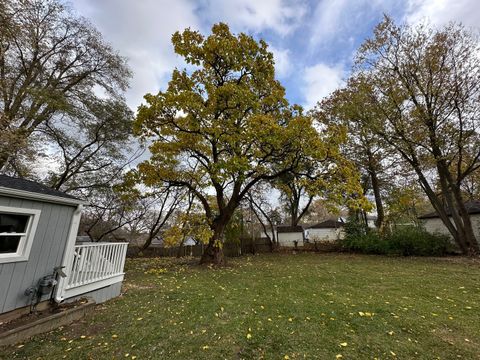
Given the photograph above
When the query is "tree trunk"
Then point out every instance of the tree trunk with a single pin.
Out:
(470, 239)
(213, 253)
(4, 156)
(455, 204)
(438, 206)
(378, 200)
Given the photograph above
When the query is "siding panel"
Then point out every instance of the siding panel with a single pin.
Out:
(20, 268)
(46, 252)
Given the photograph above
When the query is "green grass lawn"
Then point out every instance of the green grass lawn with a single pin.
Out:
(280, 307)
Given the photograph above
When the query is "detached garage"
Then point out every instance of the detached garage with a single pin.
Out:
(433, 224)
(290, 236)
(328, 230)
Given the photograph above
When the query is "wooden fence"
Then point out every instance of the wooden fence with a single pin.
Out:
(244, 246)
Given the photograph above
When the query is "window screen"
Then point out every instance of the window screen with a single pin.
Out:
(12, 228)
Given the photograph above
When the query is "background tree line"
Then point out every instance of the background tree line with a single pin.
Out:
(403, 131)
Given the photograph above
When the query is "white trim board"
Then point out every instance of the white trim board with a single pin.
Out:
(40, 197)
(68, 253)
(83, 289)
(25, 244)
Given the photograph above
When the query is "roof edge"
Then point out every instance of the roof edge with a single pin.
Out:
(436, 216)
(42, 197)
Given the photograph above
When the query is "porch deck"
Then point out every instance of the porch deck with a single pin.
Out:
(94, 266)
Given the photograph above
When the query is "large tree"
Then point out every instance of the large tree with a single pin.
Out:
(224, 126)
(50, 62)
(363, 146)
(423, 85)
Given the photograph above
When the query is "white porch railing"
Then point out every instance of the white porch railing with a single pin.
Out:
(95, 266)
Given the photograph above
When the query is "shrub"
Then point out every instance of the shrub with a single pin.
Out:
(369, 243)
(353, 228)
(406, 241)
(416, 241)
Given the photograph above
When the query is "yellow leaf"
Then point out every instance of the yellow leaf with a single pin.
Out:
(338, 356)
(343, 344)
(249, 336)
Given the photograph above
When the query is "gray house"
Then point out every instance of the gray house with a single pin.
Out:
(39, 259)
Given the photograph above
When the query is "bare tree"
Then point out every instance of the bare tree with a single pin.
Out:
(95, 151)
(424, 86)
(263, 210)
(50, 62)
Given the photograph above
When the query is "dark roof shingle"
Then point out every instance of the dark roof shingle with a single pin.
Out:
(31, 186)
(327, 224)
(289, 229)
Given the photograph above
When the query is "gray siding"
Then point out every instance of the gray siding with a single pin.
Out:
(46, 252)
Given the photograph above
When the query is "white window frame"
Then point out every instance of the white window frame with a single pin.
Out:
(26, 240)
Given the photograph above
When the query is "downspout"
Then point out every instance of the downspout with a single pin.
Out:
(68, 254)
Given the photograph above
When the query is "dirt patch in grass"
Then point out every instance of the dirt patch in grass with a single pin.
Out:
(37, 315)
(454, 338)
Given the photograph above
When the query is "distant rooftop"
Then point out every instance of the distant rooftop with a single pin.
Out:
(289, 229)
(31, 186)
(473, 207)
(327, 224)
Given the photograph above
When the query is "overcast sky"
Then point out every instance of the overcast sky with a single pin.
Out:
(313, 41)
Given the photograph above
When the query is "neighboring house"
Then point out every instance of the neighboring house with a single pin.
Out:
(158, 242)
(39, 259)
(433, 224)
(328, 230)
(290, 235)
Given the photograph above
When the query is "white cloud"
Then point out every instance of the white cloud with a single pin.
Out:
(440, 12)
(281, 16)
(319, 81)
(327, 19)
(283, 64)
(142, 32)
(333, 19)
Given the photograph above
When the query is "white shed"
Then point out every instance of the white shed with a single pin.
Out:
(328, 230)
(433, 224)
(39, 257)
(289, 235)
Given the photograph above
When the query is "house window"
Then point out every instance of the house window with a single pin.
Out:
(17, 230)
